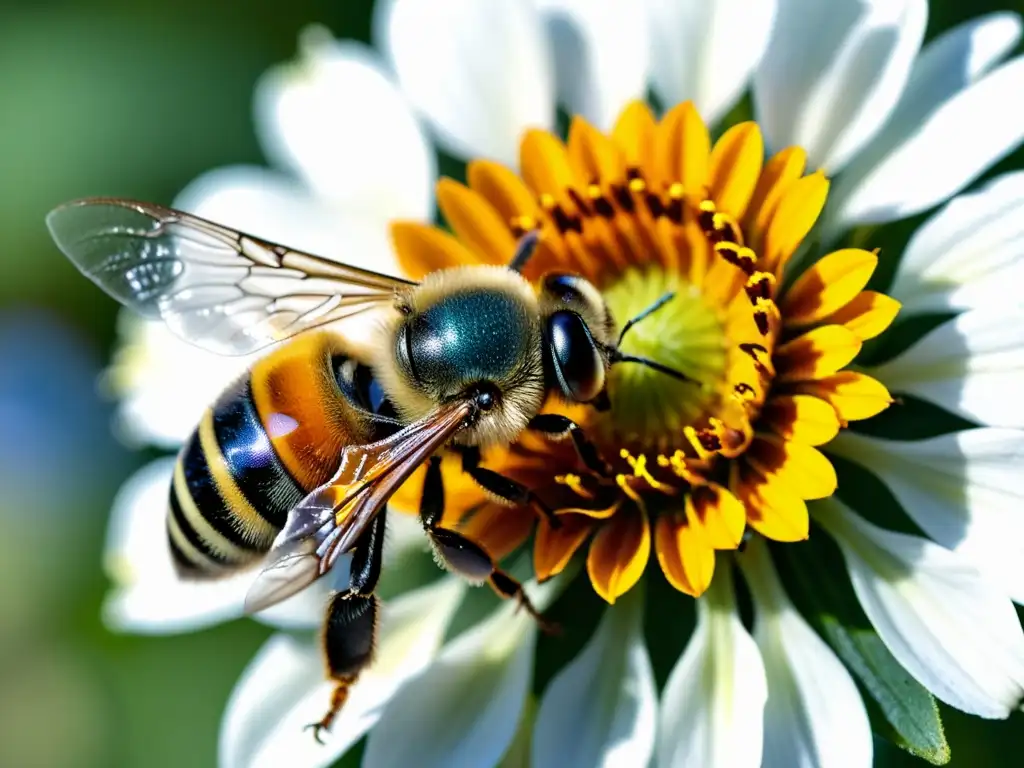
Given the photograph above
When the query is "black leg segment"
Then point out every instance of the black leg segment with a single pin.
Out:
(367, 558)
(558, 426)
(462, 555)
(350, 627)
(432, 498)
(505, 488)
(349, 634)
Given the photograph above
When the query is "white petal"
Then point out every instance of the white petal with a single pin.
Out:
(164, 383)
(283, 671)
(706, 51)
(833, 73)
(267, 204)
(600, 709)
(969, 254)
(712, 708)
(945, 152)
(338, 121)
(284, 687)
(958, 57)
(404, 539)
(965, 490)
(815, 717)
(950, 629)
(480, 72)
(972, 365)
(463, 710)
(600, 53)
(946, 66)
(148, 597)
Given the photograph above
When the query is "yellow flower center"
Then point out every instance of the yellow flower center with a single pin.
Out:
(683, 468)
(649, 408)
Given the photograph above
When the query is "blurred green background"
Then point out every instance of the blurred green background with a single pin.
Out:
(135, 98)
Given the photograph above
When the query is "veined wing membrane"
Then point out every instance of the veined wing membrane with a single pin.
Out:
(224, 290)
(331, 519)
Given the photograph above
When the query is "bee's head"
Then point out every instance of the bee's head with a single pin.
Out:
(468, 334)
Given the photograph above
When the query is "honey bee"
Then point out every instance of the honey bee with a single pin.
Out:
(294, 463)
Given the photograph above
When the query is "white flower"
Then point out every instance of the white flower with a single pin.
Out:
(426, 704)
(971, 365)
(968, 255)
(860, 95)
(900, 127)
(165, 383)
(965, 490)
(814, 717)
(831, 91)
(967, 258)
(952, 630)
(284, 688)
(706, 52)
(875, 109)
(482, 73)
(712, 708)
(465, 708)
(600, 709)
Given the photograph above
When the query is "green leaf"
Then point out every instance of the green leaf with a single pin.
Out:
(911, 418)
(909, 715)
(861, 489)
(900, 708)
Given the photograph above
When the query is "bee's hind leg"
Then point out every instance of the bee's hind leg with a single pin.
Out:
(464, 556)
(350, 626)
(349, 633)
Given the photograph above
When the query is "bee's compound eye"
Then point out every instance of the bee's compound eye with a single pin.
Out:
(574, 356)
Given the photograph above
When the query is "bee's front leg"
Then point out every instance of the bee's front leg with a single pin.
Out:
(350, 626)
(556, 426)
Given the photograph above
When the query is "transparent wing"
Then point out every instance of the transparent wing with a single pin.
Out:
(224, 290)
(331, 519)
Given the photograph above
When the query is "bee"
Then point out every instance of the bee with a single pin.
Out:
(293, 465)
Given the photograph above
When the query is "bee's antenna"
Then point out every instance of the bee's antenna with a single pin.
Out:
(616, 355)
(524, 250)
(645, 314)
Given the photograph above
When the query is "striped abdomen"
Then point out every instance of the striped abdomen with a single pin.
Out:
(270, 438)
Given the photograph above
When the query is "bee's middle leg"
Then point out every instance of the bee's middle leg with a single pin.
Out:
(350, 625)
(505, 488)
(461, 554)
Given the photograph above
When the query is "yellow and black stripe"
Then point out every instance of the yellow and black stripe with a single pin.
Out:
(231, 493)
(270, 438)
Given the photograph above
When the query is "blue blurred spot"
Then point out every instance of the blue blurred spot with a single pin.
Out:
(56, 445)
